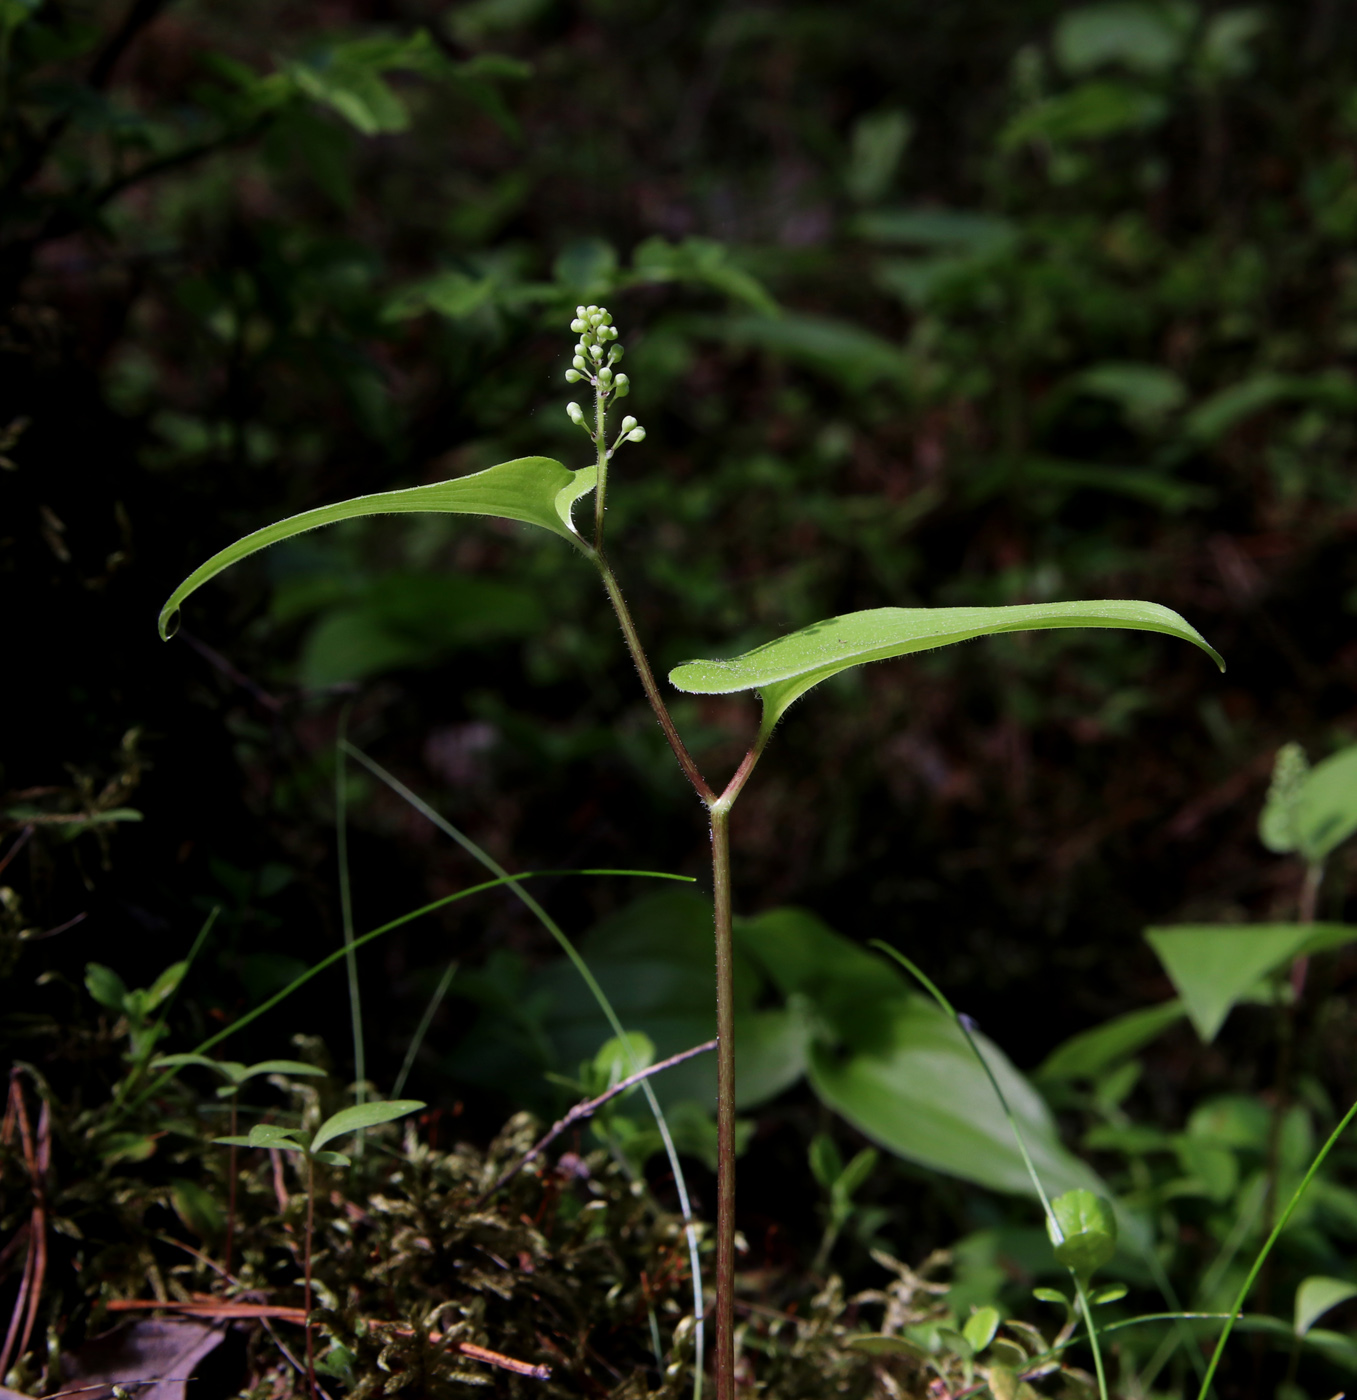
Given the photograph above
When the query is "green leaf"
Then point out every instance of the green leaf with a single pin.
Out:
(363, 1115)
(1113, 1293)
(280, 1067)
(1146, 38)
(231, 1070)
(1091, 1052)
(1277, 821)
(1089, 1227)
(913, 1086)
(536, 490)
(1215, 416)
(879, 1344)
(826, 1164)
(165, 984)
(1326, 806)
(332, 1159)
(126, 1147)
(271, 1135)
(1051, 1295)
(105, 986)
(616, 1061)
(700, 260)
(1090, 112)
(857, 1171)
(785, 669)
(934, 228)
(879, 140)
(1316, 1296)
(197, 1208)
(855, 357)
(980, 1327)
(1214, 966)
(238, 1141)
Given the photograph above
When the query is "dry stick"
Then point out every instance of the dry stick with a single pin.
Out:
(585, 1110)
(24, 837)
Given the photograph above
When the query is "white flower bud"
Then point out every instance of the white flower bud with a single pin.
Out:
(575, 414)
(596, 351)
(605, 376)
(577, 325)
(590, 311)
(580, 362)
(573, 376)
(580, 312)
(614, 354)
(628, 423)
(621, 386)
(636, 435)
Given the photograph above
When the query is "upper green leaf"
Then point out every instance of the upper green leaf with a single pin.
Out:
(537, 490)
(785, 669)
(363, 1115)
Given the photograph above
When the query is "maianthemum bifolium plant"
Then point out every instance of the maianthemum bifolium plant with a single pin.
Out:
(543, 492)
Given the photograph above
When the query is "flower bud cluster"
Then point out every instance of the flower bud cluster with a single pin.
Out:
(595, 355)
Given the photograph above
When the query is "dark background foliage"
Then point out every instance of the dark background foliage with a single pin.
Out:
(232, 292)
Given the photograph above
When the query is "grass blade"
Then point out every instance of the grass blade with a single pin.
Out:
(565, 944)
(1267, 1248)
(422, 1029)
(327, 962)
(346, 909)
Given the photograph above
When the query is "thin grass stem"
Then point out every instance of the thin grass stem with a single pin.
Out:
(1267, 1248)
(327, 962)
(153, 1034)
(1053, 1224)
(422, 1029)
(606, 1006)
(360, 1073)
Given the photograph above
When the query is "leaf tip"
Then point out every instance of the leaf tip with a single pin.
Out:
(169, 621)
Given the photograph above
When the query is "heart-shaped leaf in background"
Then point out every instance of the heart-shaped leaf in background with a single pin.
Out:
(1215, 966)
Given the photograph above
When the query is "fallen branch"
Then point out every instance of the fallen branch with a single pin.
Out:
(585, 1110)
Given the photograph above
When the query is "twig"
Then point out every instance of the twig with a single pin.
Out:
(232, 673)
(586, 1110)
(18, 846)
(60, 928)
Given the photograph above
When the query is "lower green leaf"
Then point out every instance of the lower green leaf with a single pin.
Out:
(785, 669)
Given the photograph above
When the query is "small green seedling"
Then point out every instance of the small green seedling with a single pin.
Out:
(341, 1124)
(542, 492)
(236, 1075)
(841, 1182)
(137, 1006)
